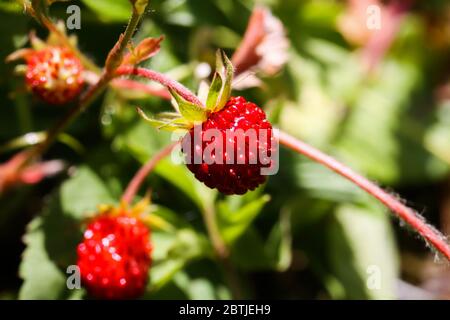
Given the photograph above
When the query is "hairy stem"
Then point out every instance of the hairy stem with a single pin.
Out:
(160, 78)
(232, 277)
(144, 171)
(127, 84)
(412, 218)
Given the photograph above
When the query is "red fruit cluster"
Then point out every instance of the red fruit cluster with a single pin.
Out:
(54, 74)
(114, 257)
(234, 178)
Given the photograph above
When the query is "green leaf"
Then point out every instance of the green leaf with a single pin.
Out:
(362, 252)
(140, 140)
(11, 7)
(165, 122)
(251, 252)
(385, 110)
(179, 249)
(189, 111)
(189, 245)
(162, 273)
(436, 138)
(110, 11)
(51, 239)
(279, 244)
(169, 256)
(200, 287)
(180, 177)
(42, 277)
(168, 215)
(83, 193)
(322, 183)
(233, 223)
(214, 92)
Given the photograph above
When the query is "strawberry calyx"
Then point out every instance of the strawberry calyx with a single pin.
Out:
(142, 210)
(189, 114)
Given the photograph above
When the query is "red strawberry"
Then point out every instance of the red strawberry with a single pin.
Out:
(232, 164)
(114, 257)
(54, 74)
(233, 178)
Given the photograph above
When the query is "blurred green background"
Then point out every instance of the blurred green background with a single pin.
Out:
(307, 234)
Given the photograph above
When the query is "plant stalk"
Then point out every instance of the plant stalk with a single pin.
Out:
(221, 250)
(144, 171)
(160, 78)
(411, 217)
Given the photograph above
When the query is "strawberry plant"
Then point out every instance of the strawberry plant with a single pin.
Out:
(181, 159)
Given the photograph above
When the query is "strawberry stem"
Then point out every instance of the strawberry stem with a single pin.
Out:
(162, 79)
(208, 213)
(128, 84)
(411, 217)
(143, 172)
(221, 250)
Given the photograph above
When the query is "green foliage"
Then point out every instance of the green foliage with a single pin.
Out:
(42, 277)
(360, 247)
(389, 125)
(233, 223)
(110, 11)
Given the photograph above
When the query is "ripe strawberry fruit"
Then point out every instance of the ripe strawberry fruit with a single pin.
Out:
(54, 74)
(231, 164)
(233, 178)
(114, 257)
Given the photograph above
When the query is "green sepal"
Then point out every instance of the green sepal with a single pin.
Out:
(190, 112)
(214, 92)
(36, 43)
(161, 121)
(54, 37)
(169, 115)
(157, 222)
(224, 67)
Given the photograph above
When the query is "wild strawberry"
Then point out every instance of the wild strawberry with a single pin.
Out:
(54, 74)
(232, 178)
(114, 257)
(229, 141)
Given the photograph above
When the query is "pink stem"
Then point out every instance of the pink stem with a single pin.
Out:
(138, 86)
(143, 172)
(408, 215)
(162, 79)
